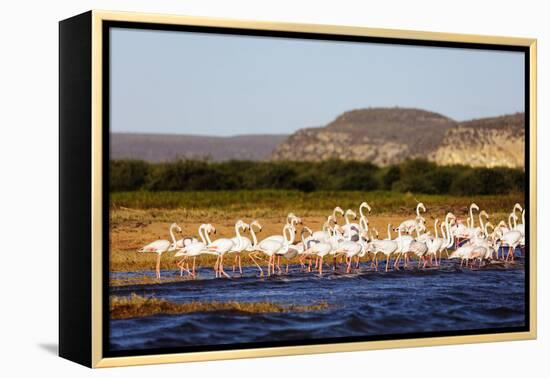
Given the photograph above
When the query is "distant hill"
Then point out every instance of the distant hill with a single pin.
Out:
(382, 136)
(164, 147)
(390, 135)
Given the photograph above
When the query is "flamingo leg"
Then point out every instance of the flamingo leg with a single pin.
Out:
(221, 268)
(255, 262)
(158, 266)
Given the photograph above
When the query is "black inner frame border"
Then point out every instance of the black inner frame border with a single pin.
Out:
(106, 27)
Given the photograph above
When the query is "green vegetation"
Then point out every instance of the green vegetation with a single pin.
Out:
(257, 203)
(138, 306)
(415, 176)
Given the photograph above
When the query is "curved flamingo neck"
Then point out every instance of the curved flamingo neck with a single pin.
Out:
(481, 221)
(172, 235)
(361, 211)
(290, 239)
(254, 238)
(363, 223)
(442, 228)
(207, 235)
(201, 229)
(346, 215)
(238, 233)
(449, 234)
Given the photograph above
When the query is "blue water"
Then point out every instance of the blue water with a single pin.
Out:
(366, 303)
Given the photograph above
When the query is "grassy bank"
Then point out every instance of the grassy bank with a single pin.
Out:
(277, 201)
(139, 306)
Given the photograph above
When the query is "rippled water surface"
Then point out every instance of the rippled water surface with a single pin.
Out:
(449, 298)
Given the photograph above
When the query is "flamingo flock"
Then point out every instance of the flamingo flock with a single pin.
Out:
(342, 247)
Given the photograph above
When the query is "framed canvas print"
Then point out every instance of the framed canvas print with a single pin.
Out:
(235, 189)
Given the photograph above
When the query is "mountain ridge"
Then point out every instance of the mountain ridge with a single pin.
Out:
(382, 136)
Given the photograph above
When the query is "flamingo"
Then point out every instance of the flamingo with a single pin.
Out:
(325, 233)
(349, 228)
(386, 247)
(434, 244)
(161, 246)
(403, 247)
(292, 220)
(511, 239)
(320, 249)
(447, 235)
(270, 247)
(223, 245)
(350, 249)
(242, 244)
(196, 248)
(410, 225)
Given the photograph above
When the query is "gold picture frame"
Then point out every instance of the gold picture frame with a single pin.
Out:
(94, 21)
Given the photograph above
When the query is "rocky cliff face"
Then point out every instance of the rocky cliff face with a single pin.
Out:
(390, 135)
(489, 142)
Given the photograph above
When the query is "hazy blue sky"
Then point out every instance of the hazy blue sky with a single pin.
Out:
(190, 83)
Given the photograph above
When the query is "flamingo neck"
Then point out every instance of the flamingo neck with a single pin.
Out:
(173, 236)
(238, 233)
(207, 235)
(254, 238)
(481, 222)
(435, 229)
(346, 218)
(201, 229)
(290, 239)
(449, 234)
(363, 223)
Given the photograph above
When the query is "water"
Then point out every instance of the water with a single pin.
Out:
(367, 303)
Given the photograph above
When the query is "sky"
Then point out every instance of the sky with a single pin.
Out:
(173, 82)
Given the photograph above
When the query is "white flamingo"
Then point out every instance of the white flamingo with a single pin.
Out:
(325, 233)
(161, 246)
(320, 249)
(386, 247)
(350, 229)
(434, 244)
(411, 225)
(195, 249)
(511, 239)
(222, 246)
(270, 247)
